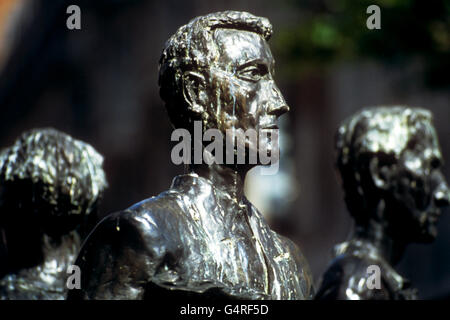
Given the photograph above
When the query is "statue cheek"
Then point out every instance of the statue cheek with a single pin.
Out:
(255, 99)
(420, 189)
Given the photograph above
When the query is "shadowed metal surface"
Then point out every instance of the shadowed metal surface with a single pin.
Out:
(50, 182)
(391, 168)
(193, 237)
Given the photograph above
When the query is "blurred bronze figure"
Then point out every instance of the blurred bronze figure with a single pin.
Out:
(390, 164)
(202, 238)
(49, 184)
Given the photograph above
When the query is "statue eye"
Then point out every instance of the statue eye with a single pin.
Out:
(253, 73)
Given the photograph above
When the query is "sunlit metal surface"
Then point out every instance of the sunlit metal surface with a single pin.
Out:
(203, 236)
(49, 183)
(391, 168)
(193, 237)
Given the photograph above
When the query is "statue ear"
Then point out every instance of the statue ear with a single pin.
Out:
(193, 85)
(380, 173)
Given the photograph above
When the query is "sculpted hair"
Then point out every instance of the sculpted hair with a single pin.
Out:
(383, 133)
(66, 174)
(192, 48)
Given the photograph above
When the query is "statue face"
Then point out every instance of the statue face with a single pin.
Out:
(418, 187)
(242, 91)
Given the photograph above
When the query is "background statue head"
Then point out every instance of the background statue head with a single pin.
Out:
(390, 164)
(219, 69)
(49, 184)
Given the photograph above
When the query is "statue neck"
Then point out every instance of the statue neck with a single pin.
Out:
(377, 232)
(228, 179)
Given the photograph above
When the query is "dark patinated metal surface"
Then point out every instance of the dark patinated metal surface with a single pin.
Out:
(390, 163)
(49, 183)
(194, 237)
(202, 237)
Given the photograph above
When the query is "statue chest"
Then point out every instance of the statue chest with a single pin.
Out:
(245, 259)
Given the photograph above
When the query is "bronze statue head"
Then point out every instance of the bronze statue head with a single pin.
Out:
(58, 178)
(390, 164)
(219, 69)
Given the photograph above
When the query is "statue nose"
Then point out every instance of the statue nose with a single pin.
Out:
(278, 105)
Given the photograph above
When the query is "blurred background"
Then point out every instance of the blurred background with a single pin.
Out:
(99, 84)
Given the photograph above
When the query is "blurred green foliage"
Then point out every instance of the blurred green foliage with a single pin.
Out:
(335, 30)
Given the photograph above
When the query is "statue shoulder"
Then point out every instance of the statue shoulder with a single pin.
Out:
(124, 251)
(301, 263)
(352, 278)
(153, 225)
(294, 250)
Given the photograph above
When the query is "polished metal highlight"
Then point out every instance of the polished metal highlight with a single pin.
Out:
(202, 238)
(49, 183)
(194, 238)
(391, 169)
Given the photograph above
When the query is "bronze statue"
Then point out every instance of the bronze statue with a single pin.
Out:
(202, 238)
(49, 184)
(390, 164)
